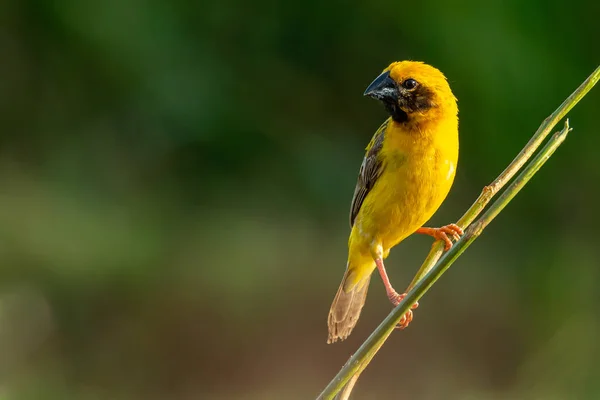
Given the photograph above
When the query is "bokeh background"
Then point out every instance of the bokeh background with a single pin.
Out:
(175, 180)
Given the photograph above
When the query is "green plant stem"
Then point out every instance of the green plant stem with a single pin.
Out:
(344, 394)
(435, 265)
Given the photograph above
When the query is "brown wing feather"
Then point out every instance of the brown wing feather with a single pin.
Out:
(370, 170)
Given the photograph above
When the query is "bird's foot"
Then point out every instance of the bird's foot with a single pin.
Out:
(406, 319)
(442, 233)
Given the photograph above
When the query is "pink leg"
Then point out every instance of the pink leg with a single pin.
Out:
(394, 297)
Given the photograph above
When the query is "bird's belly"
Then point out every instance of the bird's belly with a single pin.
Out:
(407, 198)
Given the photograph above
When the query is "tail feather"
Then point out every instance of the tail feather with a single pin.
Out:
(346, 308)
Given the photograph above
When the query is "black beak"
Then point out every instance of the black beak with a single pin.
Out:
(383, 88)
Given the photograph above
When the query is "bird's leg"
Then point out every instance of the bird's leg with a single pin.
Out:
(394, 297)
(442, 233)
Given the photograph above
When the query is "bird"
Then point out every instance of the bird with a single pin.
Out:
(407, 172)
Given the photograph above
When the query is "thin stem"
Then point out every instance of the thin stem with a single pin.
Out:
(359, 361)
(344, 394)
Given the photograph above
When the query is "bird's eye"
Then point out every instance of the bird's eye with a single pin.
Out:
(410, 84)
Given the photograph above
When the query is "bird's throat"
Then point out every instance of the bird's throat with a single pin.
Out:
(396, 112)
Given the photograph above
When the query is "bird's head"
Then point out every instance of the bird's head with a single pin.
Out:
(413, 91)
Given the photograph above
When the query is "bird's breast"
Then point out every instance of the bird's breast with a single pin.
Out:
(416, 179)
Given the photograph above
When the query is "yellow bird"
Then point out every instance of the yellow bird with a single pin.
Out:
(405, 176)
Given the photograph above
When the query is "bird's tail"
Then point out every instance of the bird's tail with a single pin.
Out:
(347, 304)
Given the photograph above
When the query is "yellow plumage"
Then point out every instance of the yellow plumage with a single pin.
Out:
(408, 171)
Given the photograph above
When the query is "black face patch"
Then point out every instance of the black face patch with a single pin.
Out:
(400, 100)
(418, 100)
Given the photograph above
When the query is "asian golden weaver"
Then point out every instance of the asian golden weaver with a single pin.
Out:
(405, 176)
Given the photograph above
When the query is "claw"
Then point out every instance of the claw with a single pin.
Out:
(442, 233)
(406, 318)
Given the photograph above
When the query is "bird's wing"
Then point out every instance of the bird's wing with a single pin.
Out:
(370, 170)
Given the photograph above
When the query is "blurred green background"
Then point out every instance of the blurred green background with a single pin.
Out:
(175, 179)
